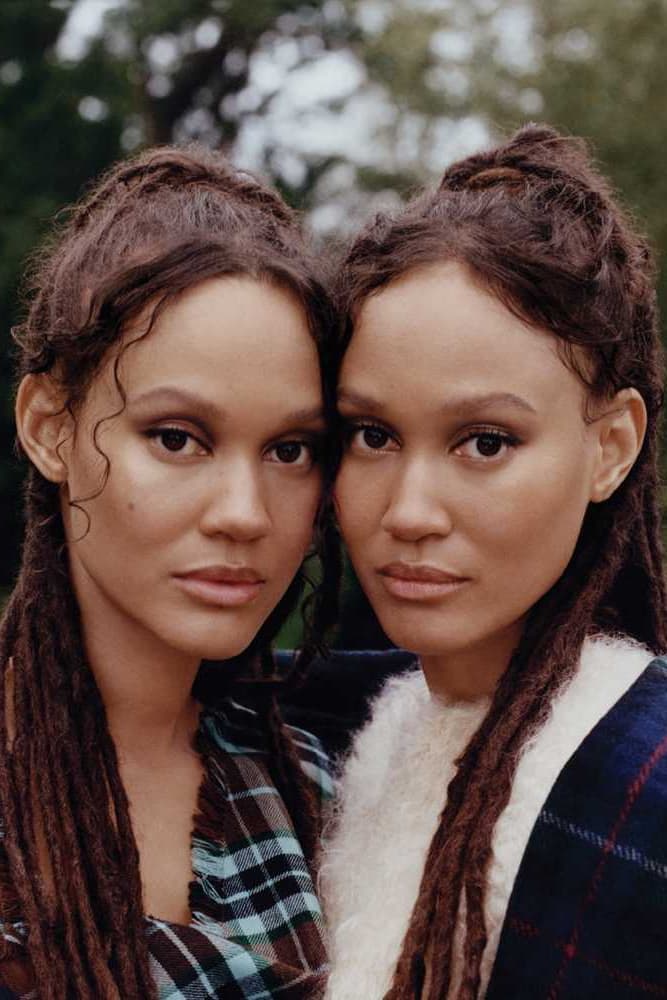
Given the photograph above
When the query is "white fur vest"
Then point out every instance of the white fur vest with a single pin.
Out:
(392, 792)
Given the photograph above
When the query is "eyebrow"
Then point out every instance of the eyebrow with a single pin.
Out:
(169, 396)
(207, 410)
(463, 405)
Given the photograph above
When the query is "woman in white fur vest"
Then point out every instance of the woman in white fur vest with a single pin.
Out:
(503, 823)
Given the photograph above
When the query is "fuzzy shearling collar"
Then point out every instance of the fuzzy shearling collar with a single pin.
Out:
(391, 794)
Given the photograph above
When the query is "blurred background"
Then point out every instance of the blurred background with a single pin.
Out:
(346, 105)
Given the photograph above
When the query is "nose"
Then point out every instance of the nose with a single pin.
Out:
(236, 506)
(417, 506)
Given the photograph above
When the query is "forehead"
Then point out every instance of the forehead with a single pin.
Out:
(221, 336)
(436, 331)
(221, 319)
(240, 344)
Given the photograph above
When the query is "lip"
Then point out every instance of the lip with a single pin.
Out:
(419, 581)
(222, 586)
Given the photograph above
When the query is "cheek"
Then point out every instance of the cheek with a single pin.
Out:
(359, 498)
(115, 480)
(536, 525)
(293, 512)
(132, 508)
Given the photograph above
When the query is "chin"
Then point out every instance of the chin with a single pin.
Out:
(213, 644)
(212, 634)
(422, 639)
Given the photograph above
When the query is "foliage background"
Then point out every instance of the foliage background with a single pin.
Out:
(346, 105)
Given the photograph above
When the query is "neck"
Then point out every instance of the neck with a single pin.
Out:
(472, 672)
(145, 686)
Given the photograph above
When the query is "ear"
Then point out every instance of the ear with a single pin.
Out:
(621, 430)
(43, 425)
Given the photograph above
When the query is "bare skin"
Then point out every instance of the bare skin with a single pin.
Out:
(159, 767)
(163, 788)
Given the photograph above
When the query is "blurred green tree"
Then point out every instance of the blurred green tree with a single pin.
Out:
(453, 69)
(57, 128)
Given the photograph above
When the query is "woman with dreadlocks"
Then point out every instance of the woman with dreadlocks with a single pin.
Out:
(503, 816)
(170, 403)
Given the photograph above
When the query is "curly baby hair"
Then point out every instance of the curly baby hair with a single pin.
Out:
(152, 227)
(536, 226)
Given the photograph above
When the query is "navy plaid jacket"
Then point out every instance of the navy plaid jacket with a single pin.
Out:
(587, 919)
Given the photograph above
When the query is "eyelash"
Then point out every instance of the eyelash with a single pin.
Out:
(309, 445)
(351, 428)
(509, 440)
(156, 433)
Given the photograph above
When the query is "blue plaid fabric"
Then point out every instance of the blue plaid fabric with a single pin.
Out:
(256, 929)
(587, 919)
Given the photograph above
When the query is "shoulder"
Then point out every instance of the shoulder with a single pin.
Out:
(618, 680)
(636, 722)
(587, 737)
(601, 753)
(609, 667)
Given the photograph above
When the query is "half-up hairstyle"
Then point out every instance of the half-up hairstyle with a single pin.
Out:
(536, 226)
(152, 227)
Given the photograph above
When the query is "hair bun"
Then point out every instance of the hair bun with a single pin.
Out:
(496, 175)
(534, 152)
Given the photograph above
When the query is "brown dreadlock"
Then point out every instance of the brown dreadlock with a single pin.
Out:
(538, 228)
(151, 228)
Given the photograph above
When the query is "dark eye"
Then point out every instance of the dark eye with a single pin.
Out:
(289, 451)
(174, 439)
(298, 453)
(366, 439)
(486, 445)
(374, 437)
(489, 445)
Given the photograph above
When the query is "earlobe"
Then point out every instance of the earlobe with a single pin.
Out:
(43, 425)
(621, 432)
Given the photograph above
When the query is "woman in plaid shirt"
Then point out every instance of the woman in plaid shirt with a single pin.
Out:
(502, 830)
(171, 406)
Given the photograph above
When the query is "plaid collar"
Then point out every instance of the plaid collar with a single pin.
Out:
(257, 929)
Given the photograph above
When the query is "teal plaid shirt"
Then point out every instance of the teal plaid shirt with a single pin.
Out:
(257, 929)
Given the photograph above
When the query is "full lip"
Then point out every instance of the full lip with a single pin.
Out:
(222, 586)
(419, 581)
(420, 572)
(222, 574)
